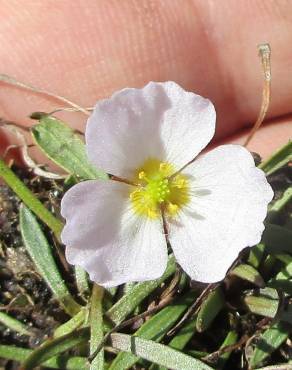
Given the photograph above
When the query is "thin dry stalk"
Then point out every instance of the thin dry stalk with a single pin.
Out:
(13, 81)
(265, 55)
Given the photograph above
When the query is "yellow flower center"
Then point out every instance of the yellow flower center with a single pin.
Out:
(157, 188)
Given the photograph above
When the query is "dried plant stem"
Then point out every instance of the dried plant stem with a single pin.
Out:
(265, 55)
(13, 81)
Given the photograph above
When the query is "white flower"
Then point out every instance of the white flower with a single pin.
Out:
(213, 208)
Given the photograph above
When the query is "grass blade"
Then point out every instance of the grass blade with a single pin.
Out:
(277, 239)
(63, 362)
(40, 252)
(74, 323)
(54, 347)
(96, 324)
(30, 199)
(210, 309)
(82, 283)
(155, 329)
(14, 324)
(278, 159)
(156, 352)
(266, 303)
(249, 273)
(269, 341)
(181, 339)
(230, 339)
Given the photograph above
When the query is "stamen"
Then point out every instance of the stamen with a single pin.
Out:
(172, 209)
(142, 176)
(159, 191)
(163, 166)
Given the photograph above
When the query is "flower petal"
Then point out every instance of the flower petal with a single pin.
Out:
(105, 237)
(160, 121)
(229, 204)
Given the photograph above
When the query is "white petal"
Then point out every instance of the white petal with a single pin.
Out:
(159, 121)
(229, 204)
(105, 237)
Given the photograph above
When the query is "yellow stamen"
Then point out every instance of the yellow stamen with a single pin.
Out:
(159, 188)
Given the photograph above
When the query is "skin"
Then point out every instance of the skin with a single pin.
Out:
(86, 50)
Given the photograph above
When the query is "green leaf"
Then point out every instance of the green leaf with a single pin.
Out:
(155, 329)
(81, 277)
(28, 198)
(278, 367)
(63, 362)
(268, 342)
(64, 147)
(156, 352)
(74, 323)
(265, 303)
(249, 273)
(40, 252)
(277, 239)
(180, 340)
(256, 254)
(276, 208)
(283, 279)
(278, 159)
(230, 339)
(14, 324)
(210, 308)
(119, 311)
(96, 324)
(54, 347)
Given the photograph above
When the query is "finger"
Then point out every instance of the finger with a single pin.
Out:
(267, 139)
(85, 51)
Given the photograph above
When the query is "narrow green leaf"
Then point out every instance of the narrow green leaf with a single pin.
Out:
(180, 340)
(74, 323)
(28, 198)
(268, 342)
(210, 308)
(155, 329)
(265, 303)
(230, 339)
(63, 362)
(96, 324)
(278, 239)
(40, 252)
(184, 335)
(284, 257)
(278, 159)
(285, 273)
(256, 254)
(276, 208)
(119, 311)
(81, 277)
(283, 280)
(64, 147)
(277, 367)
(156, 352)
(54, 347)
(249, 273)
(197, 354)
(14, 324)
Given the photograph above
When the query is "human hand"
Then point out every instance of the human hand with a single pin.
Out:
(87, 50)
